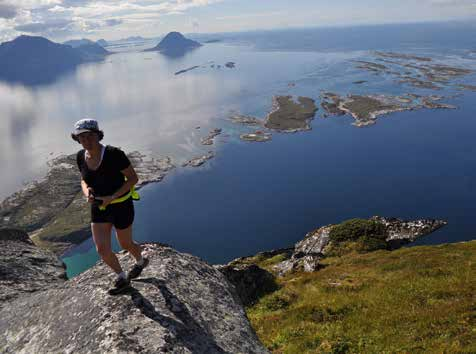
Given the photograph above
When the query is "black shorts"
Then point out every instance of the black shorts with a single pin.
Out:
(121, 215)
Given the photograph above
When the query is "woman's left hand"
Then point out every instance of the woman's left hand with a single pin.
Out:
(106, 200)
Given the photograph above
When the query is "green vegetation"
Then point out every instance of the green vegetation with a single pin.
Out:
(354, 229)
(290, 115)
(358, 235)
(413, 300)
(364, 107)
(264, 260)
(70, 226)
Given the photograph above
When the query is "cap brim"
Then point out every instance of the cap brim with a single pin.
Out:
(80, 131)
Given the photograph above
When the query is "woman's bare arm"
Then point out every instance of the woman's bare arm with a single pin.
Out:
(132, 180)
(87, 191)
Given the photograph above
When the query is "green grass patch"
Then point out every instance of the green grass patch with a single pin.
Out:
(413, 300)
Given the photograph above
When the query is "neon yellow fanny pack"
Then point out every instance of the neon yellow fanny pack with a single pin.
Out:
(132, 193)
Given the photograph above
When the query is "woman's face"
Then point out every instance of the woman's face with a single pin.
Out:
(88, 140)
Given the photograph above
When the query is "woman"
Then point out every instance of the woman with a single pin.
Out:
(107, 179)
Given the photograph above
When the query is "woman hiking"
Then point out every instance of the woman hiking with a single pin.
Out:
(107, 181)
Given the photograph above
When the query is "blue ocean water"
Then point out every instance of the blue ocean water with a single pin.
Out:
(253, 197)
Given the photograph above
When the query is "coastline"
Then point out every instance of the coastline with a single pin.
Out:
(288, 114)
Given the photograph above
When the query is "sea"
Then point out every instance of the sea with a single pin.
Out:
(251, 196)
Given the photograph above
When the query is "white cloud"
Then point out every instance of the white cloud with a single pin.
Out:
(7, 10)
(84, 16)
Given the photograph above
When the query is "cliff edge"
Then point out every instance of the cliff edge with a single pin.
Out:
(179, 305)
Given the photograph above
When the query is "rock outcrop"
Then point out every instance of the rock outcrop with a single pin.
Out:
(180, 304)
(400, 232)
(250, 281)
(25, 268)
(312, 248)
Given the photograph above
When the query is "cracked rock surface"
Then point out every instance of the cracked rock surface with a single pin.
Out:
(179, 304)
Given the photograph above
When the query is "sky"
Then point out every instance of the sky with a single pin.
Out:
(114, 19)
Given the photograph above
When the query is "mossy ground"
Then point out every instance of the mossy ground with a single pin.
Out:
(413, 300)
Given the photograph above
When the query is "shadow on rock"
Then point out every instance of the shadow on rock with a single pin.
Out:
(250, 281)
(186, 332)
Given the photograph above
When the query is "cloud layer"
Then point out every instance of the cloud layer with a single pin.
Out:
(7, 10)
(65, 19)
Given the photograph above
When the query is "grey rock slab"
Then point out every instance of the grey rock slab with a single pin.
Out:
(180, 304)
(25, 268)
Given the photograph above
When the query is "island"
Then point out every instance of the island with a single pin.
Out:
(183, 71)
(199, 160)
(257, 136)
(174, 43)
(467, 87)
(287, 115)
(416, 71)
(209, 139)
(246, 120)
(365, 109)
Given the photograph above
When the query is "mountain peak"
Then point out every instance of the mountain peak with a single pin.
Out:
(175, 42)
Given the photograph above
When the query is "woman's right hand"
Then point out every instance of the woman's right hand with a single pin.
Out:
(90, 196)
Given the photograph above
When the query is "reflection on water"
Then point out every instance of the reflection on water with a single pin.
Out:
(141, 104)
(253, 197)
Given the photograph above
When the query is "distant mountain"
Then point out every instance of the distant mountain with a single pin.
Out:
(75, 43)
(37, 60)
(175, 43)
(134, 39)
(92, 52)
(102, 43)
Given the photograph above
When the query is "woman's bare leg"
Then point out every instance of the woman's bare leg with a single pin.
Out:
(102, 239)
(124, 237)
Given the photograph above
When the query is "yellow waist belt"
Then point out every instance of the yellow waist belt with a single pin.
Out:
(132, 193)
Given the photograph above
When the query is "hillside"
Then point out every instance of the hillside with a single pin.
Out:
(412, 300)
